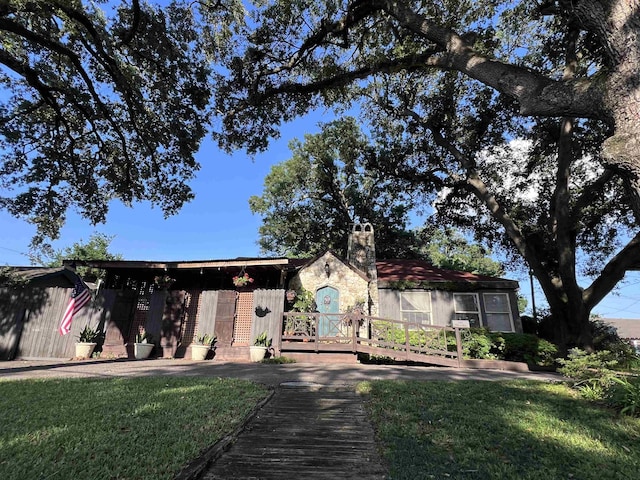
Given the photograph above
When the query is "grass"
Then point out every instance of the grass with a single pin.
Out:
(499, 430)
(143, 428)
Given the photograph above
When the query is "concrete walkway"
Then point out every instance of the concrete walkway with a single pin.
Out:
(313, 427)
(272, 375)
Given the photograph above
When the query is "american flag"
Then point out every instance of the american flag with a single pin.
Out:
(80, 296)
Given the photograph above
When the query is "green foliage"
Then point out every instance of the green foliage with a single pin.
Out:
(10, 279)
(163, 423)
(597, 378)
(310, 202)
(490, 156)
(581, 365)
(96, 248)
(481, 343)
(522, 347)
(447, 248)
(103, 103)
(305, 301)
(278, 360)
(605, 337)
(624, 395)
(476, 343)
(88, 335)
(205, 339)
(144, 337)
(262, 340)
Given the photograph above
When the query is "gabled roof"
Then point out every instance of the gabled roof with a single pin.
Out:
(300, 263)
(421, 271)
(627, 327)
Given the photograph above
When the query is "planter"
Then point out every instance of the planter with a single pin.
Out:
(84, 350)
(142, 350)
(257, 353)
(199, 352)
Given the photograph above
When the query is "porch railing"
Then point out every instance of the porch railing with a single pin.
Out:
(358, 333)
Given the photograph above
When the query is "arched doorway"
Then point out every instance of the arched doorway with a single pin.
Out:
(328, 301)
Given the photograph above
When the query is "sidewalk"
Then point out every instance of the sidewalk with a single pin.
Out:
(273, 375)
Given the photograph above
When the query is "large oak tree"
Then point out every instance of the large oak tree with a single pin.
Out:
(443, 84)
(103, 100)
(311, 201)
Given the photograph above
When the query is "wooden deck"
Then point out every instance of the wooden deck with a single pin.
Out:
(395, 339)
(304, 432)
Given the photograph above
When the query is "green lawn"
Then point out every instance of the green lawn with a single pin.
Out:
(499, 430)
(142, 428)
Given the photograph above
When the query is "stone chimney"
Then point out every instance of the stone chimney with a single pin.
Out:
(361, 250)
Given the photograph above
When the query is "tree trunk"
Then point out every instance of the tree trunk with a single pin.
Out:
(571, 326)
(621, 40)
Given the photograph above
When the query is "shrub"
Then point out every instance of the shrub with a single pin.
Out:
(524, 347)
(592, 372)
(624, 395)
(476, 343)
(605, 337)
(582, 366)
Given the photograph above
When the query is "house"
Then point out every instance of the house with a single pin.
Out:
(238, 299)
(410, 290)
(627, 329)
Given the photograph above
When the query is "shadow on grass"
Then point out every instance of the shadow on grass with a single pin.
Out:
(143, 428)
(506, 430)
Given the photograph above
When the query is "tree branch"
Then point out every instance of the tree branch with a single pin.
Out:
(613, 272)
(537, 94)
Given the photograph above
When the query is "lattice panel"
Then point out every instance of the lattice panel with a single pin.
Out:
(140, 315)
(244, 316)
(191, 316)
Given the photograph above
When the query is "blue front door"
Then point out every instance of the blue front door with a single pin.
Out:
(327, 300)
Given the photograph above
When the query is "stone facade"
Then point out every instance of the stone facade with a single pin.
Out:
(352, 285)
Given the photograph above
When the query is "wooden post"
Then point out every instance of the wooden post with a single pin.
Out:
(354, 346)
(278, 341)
(407, 345)
(458, 346)
(316, 321)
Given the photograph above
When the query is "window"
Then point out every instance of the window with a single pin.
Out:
(416, 307)
(498, 312)
(467, 308)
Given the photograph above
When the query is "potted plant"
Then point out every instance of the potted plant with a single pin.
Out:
(201, 346)
(143, 346)
(259, 348)
(87, 341)
(242, 280)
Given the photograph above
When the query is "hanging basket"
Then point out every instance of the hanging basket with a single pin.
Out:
(242, 280)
